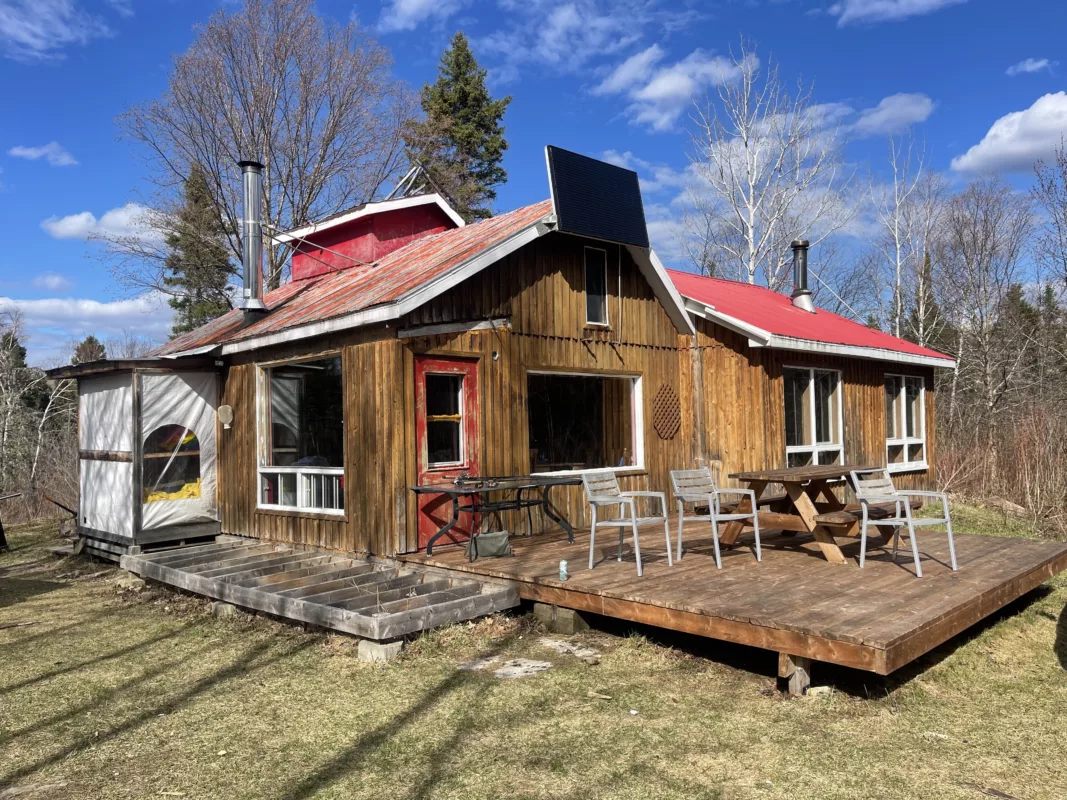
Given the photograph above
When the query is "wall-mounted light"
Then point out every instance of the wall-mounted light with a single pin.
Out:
(226, 416)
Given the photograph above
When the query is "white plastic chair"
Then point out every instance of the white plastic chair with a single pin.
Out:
(698, 486)
(875, 486)
(602, 490)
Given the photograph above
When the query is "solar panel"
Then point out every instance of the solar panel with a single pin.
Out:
(596, 199)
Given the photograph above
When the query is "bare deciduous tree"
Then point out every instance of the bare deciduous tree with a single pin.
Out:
(315, 101)
(1050, 194)
(769, 171)
(986, 231)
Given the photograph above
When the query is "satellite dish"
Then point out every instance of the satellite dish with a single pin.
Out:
(596, 199)
(226, 416)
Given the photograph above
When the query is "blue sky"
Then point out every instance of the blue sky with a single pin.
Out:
(980, 82)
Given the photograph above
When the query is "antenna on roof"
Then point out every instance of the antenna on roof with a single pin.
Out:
(416, 181)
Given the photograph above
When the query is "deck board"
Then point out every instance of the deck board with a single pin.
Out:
(878, 618)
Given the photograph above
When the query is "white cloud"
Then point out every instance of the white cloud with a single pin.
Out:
(849, 11)
(38, 30)
(652, 177)
(53, 324)
(406, 15)
(124, 8)
(636, 69)
(53, 152)
(893, 114)
(52, 282)
(568, 37)
(1028, 65)
(124, 221)
(1017, 140)
(659, 93)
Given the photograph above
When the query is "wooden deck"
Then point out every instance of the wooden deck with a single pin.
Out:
(794, 602)
(373, 600)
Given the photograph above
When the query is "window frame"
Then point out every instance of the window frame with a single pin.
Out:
(637, 422)
(464, 445)
(816, 448)
(264, 445)
(606, 322)
(906, 441)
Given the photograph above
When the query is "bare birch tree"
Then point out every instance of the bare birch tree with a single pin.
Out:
(314, 100)
(769, 171)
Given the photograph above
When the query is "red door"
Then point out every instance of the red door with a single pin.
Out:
(446, 438)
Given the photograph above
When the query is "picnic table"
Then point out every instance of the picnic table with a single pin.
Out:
(478, 491)
(810, 505)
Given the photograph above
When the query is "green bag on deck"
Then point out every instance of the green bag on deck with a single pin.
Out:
(489, 545)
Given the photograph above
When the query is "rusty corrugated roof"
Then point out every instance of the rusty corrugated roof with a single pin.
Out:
(356, 289)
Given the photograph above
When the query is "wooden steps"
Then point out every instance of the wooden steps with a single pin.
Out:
(376, 601)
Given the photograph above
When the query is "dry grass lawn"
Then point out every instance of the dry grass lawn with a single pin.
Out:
(109, 694)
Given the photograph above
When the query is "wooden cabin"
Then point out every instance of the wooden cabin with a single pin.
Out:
(410, 348)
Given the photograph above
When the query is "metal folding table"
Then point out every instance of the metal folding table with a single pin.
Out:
(476, 490)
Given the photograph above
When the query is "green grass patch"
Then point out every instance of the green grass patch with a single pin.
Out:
(110, 694)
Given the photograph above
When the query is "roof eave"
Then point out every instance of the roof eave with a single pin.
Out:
(758, 337)
(368, 210)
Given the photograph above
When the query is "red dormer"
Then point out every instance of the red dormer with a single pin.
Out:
(364, 234)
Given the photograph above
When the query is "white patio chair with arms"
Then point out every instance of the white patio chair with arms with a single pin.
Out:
(875, 486)
(602, 491)
(698, 486)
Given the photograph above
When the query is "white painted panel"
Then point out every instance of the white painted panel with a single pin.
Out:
(106, 502)
(105, 412)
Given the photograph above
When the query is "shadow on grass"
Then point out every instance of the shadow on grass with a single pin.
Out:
(22, 641)
(244, 664)
(125, 651)
(352, 758)
(17, 590)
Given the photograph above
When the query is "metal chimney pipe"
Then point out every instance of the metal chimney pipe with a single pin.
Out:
(251, 300)
(801, 295)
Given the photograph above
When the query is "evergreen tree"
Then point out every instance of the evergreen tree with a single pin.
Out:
(460, 141)
(88, 349)
(198, 268)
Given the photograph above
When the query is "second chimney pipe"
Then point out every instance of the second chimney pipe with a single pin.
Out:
(801, 295)
(251, 300)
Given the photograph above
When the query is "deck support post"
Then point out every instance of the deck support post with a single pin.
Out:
(797, 670)
(565, 621)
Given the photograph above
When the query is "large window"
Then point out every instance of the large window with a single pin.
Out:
(813, 423)
(581, 422)
(596, 286)
(303, 466)
(905, 422)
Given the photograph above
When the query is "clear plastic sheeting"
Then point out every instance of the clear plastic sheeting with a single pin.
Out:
(107, 496)
(105, 413)
(178, 470)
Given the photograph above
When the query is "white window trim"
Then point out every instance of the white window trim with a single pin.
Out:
(301, 474)
(263, 441)
(907, 441)
(585, 277)
(817, 448)
(637, 412)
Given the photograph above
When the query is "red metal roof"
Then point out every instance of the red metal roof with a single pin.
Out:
(360, 288)
(775, 314)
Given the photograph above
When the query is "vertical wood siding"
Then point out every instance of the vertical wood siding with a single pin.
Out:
(731, 395)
